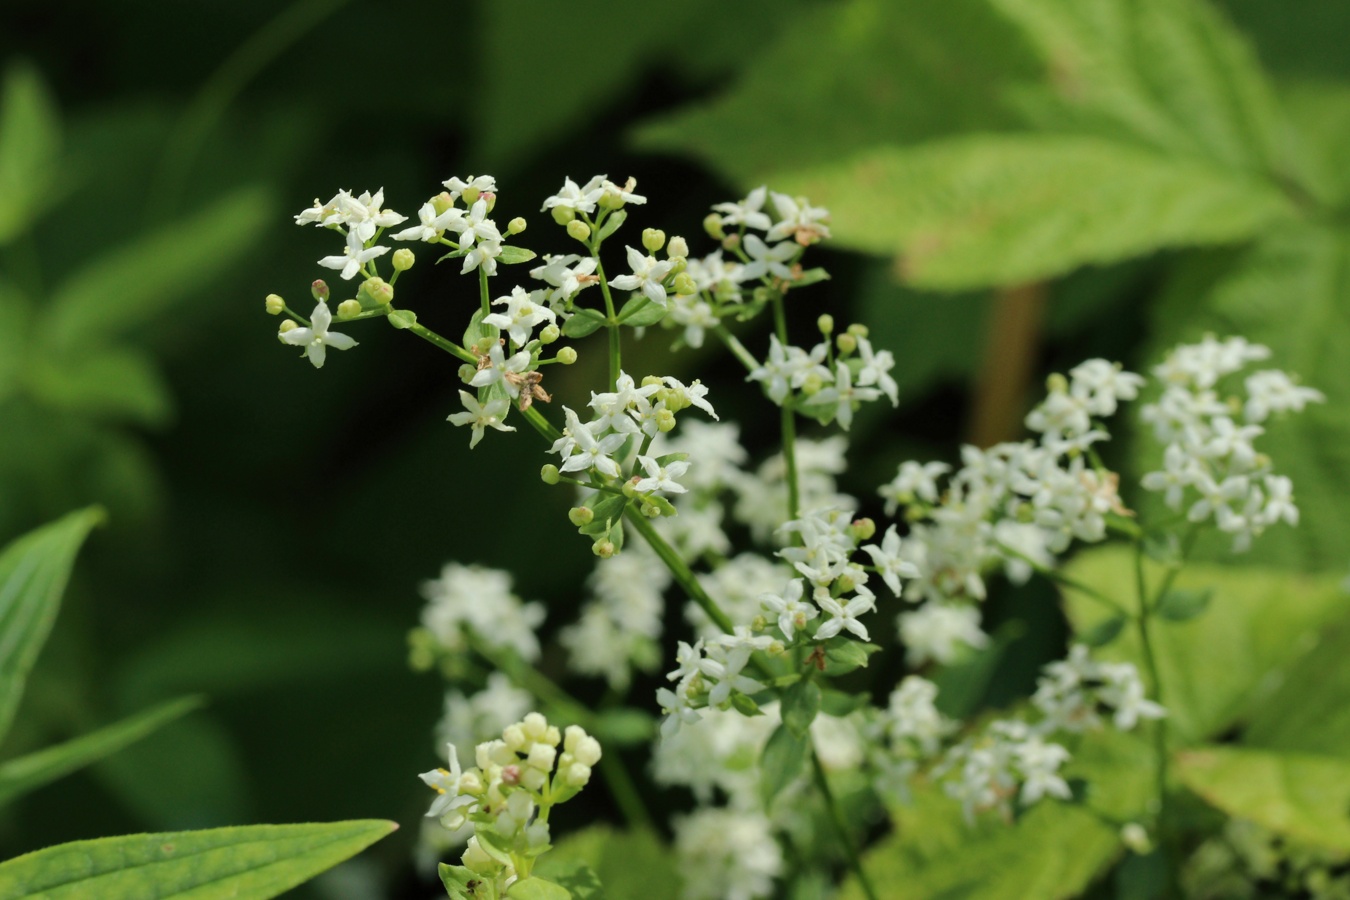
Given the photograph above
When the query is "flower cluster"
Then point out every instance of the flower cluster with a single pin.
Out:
(508, 795)
(1211, 466)
(472, 603)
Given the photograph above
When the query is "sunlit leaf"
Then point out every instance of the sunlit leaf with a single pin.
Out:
(30, 143)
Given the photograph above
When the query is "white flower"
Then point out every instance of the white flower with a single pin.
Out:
(475, 226)
(1273, 391)
(317, 338)
(499, 366)
(615, 195)
(913, 721)
(593, 452)
(356, 256)
(581, 200)
(694, 394)
(483, 184)
(792, 613)
(876, 370)
(566, 278)
(799, 220)
(887, 560)
(727, 854)
(937, 631)
(659, 477)
(432, 225)
(363, 215)
(913, 480)
(724, 664)
(451, 807)
(695, 315)
(1179, 470)
(843, 616)
(647, 276)
(842, 395)
(480, 417)
(766, 260)
(747, 212)
(523, 312)
(675, 706)
(1101, 384)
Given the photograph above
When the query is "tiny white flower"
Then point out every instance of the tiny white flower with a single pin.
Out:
(480, 417)
(431, 225)
(766, 260)
(887, 559)
(659, 477)
(357, 255)
(523, 312)
(793, 614)
(799, 220)
(317, 338)
(581, 200)
(648, 275)
(747, 212)
(483, 184)
(843, 616)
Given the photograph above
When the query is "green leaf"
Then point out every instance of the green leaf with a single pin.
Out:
(1183, 604)
(33, 574)
(784, 758)
(125, 289)
(800, 704)
(745, 705)
(1053, 850)
(251, 862)
(1218, 667)
(639, 312)
(962, 685)
(839, 704)
(1310, 709)
(624, 727)
(1302, 796)
(582, 323)
(456, 880)
(403, 318)
(30, 143)
(1008, 209)
(112, 384)
(1104, 632)
(1288, 292)
(578, 878)
(611, 225)
(27, 773)
(1173, 74)
(916, 70)
(510, 255)
(607, 510)
(627, 863)
(843, 655)
(537, 889)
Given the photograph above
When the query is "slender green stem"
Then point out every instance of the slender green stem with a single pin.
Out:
(611, 323)
(1151, 664)
(484, 303)
(1089, 592)
(445, 344)
(788, 418)
(679, 570)
(837, 819)
(737, 349)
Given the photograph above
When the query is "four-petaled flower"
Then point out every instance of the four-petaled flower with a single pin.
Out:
(480, 417)
(317, 338)
(647, 276)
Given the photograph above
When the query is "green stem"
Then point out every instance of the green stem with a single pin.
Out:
(1151, 665)
(679, 570)
(837, 819)
(445, 344)
(737, 349)
(611, 323)
(484, 303)
(788, 418)
(1052, 575)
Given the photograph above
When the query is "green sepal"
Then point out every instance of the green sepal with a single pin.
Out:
(612, 224)
(640, 311)
(513, 255)
(783, 760)
(403, 318)
(843, 655)
(801, 703)
(583, 322)
(1183, 604)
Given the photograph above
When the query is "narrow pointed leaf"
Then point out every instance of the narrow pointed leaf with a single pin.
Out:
(33, 574)
(252, 862)
(19, 776)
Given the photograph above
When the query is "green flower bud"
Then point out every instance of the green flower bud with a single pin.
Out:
(652, 381)
(550, 334)
(470, 195)
(403, 259)
(567, 355)
(486, 343)
(319, 289)
(665, 420)
(863, 529)
(846, 343)
(684, 284)
(812, 385)
(287, 325)
(712, 224)
(349, 308)
(604, 549)
(678, 248)
(421, 650)
(678, 265)
(466, 373)
(653, 239)
(759, 623)
(651, 510)
(441, 202)
(379, 290)
(515, 226)
(842, 585)
(549, 474)
(630, 487)
(580, 515)
(563, 215)
(826, 324)
(858, 330)
(275, 305)
(579, 230)
(731, 242)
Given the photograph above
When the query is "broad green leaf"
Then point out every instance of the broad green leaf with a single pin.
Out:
(1182, 604)
(963, 684)
(1320, 113)
(125, 289)
(1173, 74)
(537, 889)
(1310, 710)
(844, 654)
(785, 757)
(994, 210)
(513, 255)
(578, 878)
(1306, 37)
(1055, 849)
(1290, 293)
(627, 863)
(1218, 667)
(30, 142)
(112, 384)
(915, 70)
(640, 312)
(1302, 796)
(27, 773)
(251, 862)
(800, 704)
(583, 323)
(33, 574)
(1104, 632)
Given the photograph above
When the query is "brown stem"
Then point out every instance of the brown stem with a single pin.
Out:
(1011, 343)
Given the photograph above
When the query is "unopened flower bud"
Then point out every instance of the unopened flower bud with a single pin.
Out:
(603, 549)
(812, 385)
(579, 230)
(466, 373)
(826, 324)
(470, 195)
(1057, 383)
(477, 860)
(844, 584)
(541, 756)
(534, 779)
(863, 529)
(846, 343)
(287, 325)
(653, 239)
(550, 334)
(759, 623)
(712, 224)
(348, 308)
(665, 420)
(731, 242)
(549, 474)
(403, 259)
(441, 202)
(319, 289)
(535, 725)
(678, 248)
(650, 510)
(1135, 836)
(580, 515)
(563, 215)
(515, 226)
(684, 284)
(630, 487)
(578, 774)
(514, 736)
(379, 290)
(511, 775)
(567, 355)
(552, 736)
(858, 330)
(777, 648)
(587, 751)
(275, 305)
(486, 343)
(652, 380)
